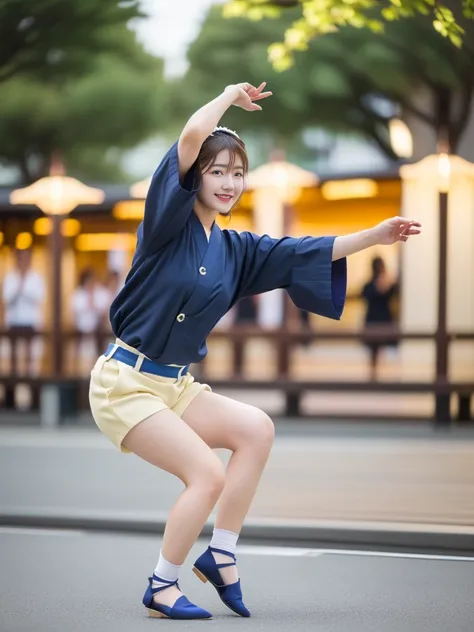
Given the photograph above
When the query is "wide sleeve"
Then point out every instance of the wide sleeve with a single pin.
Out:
(303, 267)
(168, 204)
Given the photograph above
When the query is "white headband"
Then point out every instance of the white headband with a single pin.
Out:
(225, 130)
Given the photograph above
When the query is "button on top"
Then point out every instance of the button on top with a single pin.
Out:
(180, 318)
(202, 270)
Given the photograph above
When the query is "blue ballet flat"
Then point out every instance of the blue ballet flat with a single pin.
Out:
(206, 568)
(182, 609)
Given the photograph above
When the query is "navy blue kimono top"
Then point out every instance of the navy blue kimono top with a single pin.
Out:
(180, 284)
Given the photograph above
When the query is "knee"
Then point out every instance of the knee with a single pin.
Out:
(261, 429)
(211, 478)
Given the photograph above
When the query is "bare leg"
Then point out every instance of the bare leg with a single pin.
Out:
(247, 431)
(164, 440)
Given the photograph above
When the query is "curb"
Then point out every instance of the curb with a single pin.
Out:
(443, 539)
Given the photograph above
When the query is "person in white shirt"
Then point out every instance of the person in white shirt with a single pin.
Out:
(105, 296)
(86, 314)
(87, 310)
(23, 297)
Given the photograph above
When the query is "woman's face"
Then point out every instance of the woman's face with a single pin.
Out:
(222, 186)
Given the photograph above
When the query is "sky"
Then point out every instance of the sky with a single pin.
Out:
(171, 27)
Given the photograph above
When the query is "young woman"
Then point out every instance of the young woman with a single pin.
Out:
(186, 274)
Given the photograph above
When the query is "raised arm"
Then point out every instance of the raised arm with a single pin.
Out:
(386, 233)
(173, 189)
(202, 123)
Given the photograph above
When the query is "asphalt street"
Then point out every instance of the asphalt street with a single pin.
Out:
(89, 581)
(403, 479)
(80, 581)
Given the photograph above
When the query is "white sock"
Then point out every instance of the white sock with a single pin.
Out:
(166, 570)
(225, 540)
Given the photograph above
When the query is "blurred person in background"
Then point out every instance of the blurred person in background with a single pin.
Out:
(305, 320)
(87, 306)
(186, 274)
(246, 311)
(23, 295)
(378, 293)
(105, 296)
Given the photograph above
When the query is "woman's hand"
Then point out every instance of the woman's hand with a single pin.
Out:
(203, 122)
(395, 229)
(386, 233)
(246, 94)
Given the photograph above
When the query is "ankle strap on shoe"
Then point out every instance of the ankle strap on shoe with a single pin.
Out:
(162, 581)
(214, 550)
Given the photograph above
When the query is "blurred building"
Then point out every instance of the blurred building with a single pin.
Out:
(103, 237)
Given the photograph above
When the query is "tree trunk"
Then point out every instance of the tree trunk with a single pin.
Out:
(462, 119)
(24, 170)
(443, 97)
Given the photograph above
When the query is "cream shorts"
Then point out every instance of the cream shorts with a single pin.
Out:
(121, 397)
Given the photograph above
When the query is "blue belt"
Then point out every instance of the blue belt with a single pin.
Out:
(148, 366)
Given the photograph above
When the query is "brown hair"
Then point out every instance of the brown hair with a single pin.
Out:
(215, 144)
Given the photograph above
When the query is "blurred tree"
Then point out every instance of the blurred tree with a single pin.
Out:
(57, 37)
(89, 120)
(318, 17)
(317, 92)
(434, 81)
(342, 83)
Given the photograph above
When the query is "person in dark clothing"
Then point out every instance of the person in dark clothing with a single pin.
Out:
(246, 311)
(378, 294)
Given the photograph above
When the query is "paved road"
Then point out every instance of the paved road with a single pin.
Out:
(75, 581)
(388, 479)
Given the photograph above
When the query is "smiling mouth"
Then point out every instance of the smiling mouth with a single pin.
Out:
(224, 198)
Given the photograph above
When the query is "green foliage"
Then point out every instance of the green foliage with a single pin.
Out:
(89, 117)
(57, 37)
(319, 17)
(334, 85)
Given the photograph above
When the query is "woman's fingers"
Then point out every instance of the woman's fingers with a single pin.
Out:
(412, 228)
(250, 88)
(409, 228)
(260, 87)
(407, 232)
(405, 220)
(255, 92)
(264, 95)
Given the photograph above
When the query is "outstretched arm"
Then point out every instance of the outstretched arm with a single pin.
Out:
(202, 123)
(386, 233)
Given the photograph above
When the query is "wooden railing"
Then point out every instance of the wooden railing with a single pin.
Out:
(283, 341)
